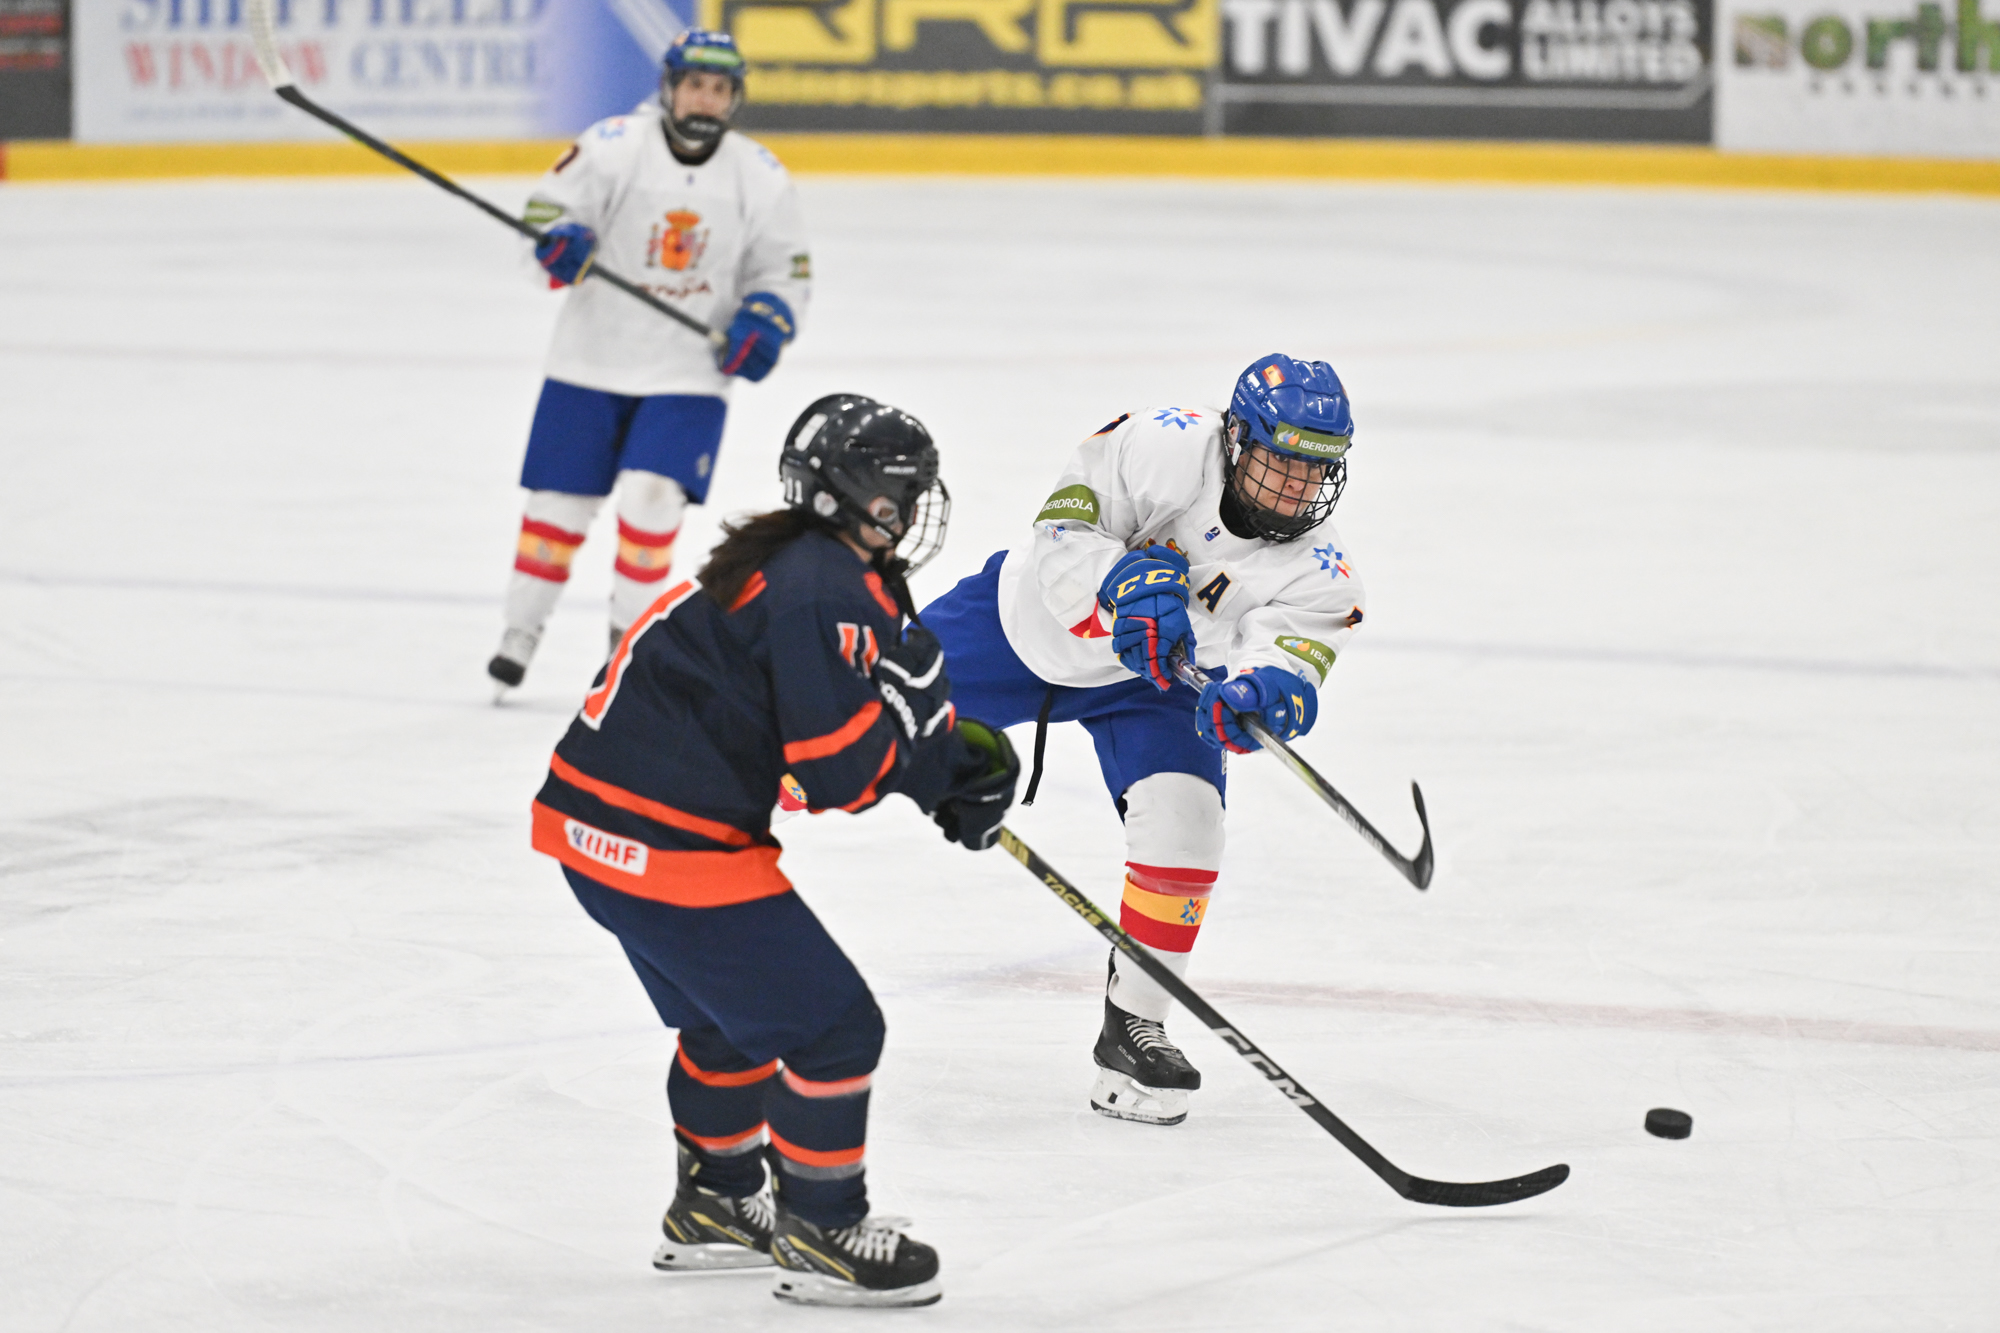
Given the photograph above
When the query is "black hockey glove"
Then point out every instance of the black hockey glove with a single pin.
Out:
(910, 678)
(982, 786)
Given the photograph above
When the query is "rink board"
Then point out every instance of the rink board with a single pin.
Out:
(1070, 155)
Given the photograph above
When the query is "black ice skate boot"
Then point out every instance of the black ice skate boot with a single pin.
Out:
(1141, 1075)
(510, 664)
(870, 1263)
(709, 1232)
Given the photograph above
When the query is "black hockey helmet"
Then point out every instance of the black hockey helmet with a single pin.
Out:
(855, 463)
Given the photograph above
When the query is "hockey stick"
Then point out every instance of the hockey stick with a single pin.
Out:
(258, 15)
(1416, 869)
(1481, 1194)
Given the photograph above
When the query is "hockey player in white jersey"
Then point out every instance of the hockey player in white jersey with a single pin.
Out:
(1172, 530)
(704, 218)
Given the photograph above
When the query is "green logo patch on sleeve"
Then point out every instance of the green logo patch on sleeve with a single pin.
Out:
(541, 212)
(1310, 651)
(1077, 501)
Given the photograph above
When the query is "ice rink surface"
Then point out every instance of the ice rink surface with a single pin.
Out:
(1678, 517)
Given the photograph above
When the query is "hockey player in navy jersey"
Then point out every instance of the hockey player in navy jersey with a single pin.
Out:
(1172, 531)
(785, 663)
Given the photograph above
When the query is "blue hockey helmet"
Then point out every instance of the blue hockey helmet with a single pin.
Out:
(704, 51)
(700, 48)
(1296, 410)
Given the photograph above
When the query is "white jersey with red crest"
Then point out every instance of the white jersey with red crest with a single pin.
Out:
(699, 237)
(1157, 477)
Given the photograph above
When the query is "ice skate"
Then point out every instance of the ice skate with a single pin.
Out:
(869, 1264)
(510, 664)
(1141, 1075)
(709, 1232)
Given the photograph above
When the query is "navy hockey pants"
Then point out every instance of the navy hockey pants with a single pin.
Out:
(778, 1035)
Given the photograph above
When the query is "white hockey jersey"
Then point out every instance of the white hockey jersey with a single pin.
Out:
(701, 238)
(1156, 477)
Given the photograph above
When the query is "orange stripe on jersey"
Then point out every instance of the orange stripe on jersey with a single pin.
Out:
(752, 588)
(653, 810)
(808, 1157)
(715, 1080)
(881, 595)
(683, 879)
(852, 730)
(599, 700)
(868, 797)
(723, 1144)
(840, 1087)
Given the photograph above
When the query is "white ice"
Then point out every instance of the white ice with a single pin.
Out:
(1678, 516)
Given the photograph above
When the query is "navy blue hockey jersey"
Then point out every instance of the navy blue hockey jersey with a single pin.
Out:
(664, 784)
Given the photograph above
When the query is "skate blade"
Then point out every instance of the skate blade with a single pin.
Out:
(818, 1289)
(717, 1257)
(1117, 1096)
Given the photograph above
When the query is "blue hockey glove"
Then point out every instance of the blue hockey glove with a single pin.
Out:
(1274, 696)
(1147, 592)
(763, 324)
(565, 250)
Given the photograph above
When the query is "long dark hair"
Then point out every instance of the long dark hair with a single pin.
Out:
(746, 544)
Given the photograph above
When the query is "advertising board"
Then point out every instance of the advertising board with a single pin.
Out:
(34, 69)
(1513, 69)
(1889, 77)
(1104, 66)
(166, 70)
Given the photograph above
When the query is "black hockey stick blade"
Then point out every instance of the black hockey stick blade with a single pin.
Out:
(1422, 864)
(1416, 869)
(1447, 1195)
(264, 41)
(1443, 1193)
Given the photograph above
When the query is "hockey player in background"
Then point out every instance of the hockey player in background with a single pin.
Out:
(703, 218)
(1172, 530)
(786, 663)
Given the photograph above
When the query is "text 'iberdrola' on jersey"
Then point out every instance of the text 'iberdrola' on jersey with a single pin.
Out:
(1157, 476)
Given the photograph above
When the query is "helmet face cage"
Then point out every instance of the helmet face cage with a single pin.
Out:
(923, 535)
(1294, 414)
(1273, 515)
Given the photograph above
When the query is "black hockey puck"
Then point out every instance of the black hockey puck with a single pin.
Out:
(1666, 1123)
